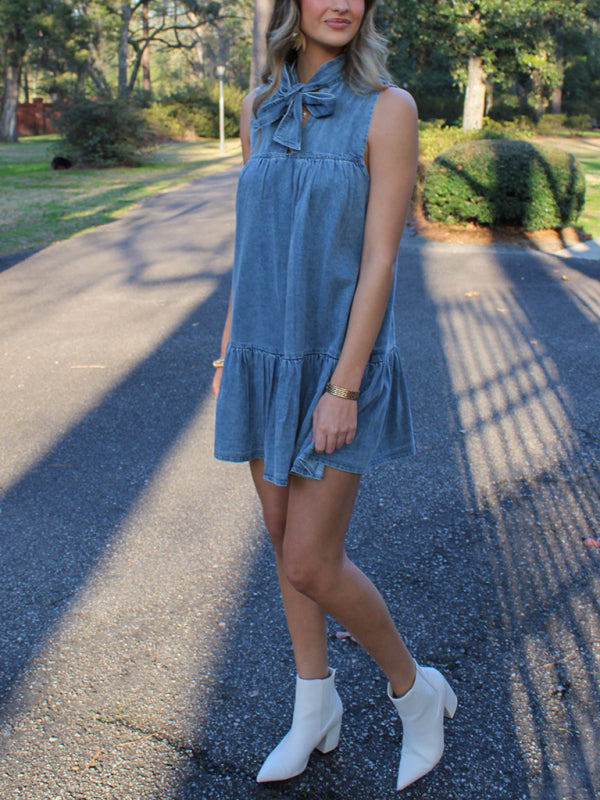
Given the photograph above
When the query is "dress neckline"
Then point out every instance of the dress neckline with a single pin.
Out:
(328, 73)
(285, 106)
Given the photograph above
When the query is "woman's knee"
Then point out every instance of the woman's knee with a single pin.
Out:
(311, 576)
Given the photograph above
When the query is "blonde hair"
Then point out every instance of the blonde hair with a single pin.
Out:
(365, 55)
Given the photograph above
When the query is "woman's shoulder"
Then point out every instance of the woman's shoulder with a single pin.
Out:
(396, 101)
(248, 101)
(395, 114)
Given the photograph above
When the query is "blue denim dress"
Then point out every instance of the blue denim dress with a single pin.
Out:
(301, 204)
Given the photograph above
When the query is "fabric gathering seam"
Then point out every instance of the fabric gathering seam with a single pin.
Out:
(348, 158)
(379, 357)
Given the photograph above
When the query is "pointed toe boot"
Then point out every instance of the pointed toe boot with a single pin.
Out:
(315, 726)
(422, 710)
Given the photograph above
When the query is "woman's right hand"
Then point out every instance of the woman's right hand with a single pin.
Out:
(334, 423)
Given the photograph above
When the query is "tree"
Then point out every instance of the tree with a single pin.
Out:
(14, 50)
(146, 81)
(480, 42)
(47, 33)
(23, 22)
(175, 24)
(262, 14)
(420, 57)
(483, 37)
(228, 43)
(557, 30)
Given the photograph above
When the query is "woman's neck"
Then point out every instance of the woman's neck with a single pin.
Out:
(311, 59)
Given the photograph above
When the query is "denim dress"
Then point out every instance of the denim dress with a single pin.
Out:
(300, 215)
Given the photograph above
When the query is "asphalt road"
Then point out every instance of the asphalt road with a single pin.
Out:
(143, 652)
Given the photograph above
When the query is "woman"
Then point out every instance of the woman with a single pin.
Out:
(309, 383)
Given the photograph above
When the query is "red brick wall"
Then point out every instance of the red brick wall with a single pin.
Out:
(34, 118)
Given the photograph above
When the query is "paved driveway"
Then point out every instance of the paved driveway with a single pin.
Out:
(143, 653)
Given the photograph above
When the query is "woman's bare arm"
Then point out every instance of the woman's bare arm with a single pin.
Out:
(245, 117)
(393, 152)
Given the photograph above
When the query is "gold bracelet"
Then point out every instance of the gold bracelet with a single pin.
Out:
(338, 391)
(218, 362)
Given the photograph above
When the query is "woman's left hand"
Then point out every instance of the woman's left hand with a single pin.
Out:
(334, 423)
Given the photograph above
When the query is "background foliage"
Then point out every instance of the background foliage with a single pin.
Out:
(537, 55)
(142, 51)
(539, 61)
(499, 183)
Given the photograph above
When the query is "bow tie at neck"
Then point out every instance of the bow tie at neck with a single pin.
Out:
(286, 104)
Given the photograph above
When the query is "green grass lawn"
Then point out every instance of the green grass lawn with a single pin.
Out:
(39, 205)
(586, 150)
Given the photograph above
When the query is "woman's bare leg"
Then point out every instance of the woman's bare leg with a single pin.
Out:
(305, 618)
(315, 564)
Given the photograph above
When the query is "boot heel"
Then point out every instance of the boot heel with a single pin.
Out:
(331, 739)
(450, 701)
(316, 705)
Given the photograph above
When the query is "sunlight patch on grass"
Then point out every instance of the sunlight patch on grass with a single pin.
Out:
(586, 150)
(39, 205)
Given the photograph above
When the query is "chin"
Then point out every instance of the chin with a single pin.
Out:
(333, 42)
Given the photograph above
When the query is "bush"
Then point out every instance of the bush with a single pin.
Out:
(504, 182)
(589, 111)
(102, 133)
(557, 123)
(519, 127)
(194, 111)
(433, 138)
(173, 120)
(551, 123)
(579, 122)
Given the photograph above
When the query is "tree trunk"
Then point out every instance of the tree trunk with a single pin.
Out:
(538, 88)
(556, 100)
(133, 73)
(489, 95)
(262, 14)
(124, 48)
(146, 83)
(13, 65)
(98, 79)
(475, 96)
(557, 92)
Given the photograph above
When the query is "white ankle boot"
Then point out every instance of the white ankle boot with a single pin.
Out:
(422, 710)
(316, 724)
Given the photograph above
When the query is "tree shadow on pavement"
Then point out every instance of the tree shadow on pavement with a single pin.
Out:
(453, 540)
(535, 523)
(523, 364)
(60, 518)
(6, 262)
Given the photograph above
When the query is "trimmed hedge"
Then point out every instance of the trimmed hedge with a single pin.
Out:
(504, 182)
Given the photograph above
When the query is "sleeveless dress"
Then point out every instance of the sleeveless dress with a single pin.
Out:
(300, 213)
